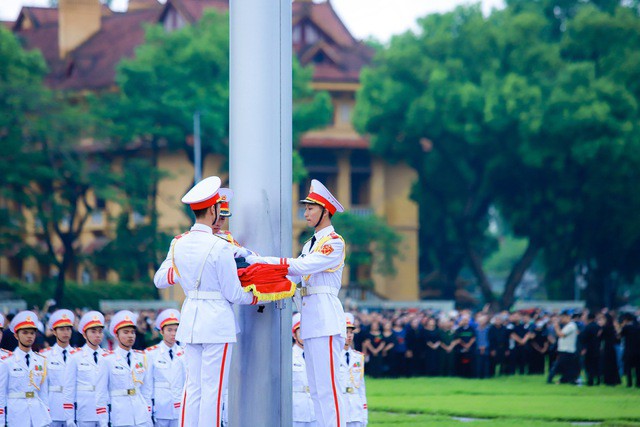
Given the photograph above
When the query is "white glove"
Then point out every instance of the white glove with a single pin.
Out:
(252, 259)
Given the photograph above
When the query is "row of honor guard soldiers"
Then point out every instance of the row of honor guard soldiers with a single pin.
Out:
(352, 385)
(90, 386)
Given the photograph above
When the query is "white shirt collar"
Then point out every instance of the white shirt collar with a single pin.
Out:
(202, 227)
(324, 232)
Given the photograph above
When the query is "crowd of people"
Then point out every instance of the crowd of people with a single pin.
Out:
(401, 343)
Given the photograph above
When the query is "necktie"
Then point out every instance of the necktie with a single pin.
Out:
(313, 242)
(129, 359)
(26, 358)
(347, 354)
(95, 357)
(171, 354)
(64, 355)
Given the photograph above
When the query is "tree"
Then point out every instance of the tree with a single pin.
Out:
(512, 111)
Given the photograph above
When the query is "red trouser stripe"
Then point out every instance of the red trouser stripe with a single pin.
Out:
(333, 380)
(184, 403)
(224, 358)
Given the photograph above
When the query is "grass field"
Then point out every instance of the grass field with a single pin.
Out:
(513, 401)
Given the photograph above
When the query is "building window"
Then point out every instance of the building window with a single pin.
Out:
(345, 109)
(296, 34)
(311, 34)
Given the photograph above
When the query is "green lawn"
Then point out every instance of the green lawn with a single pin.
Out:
(513, 401)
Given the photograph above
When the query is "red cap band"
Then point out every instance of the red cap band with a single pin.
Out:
(316, 198)
(205, 203)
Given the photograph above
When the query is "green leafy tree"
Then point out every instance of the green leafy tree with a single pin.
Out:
(518, 111)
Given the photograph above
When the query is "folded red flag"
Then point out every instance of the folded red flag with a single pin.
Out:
(267, 282)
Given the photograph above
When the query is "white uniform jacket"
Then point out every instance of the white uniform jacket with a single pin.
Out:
(353, 387)
(56, 366)
(322, 315)
(166, 379)
(80, 384)
(204, 321)
(24, 390)
(302, 404)
(239, 251)
(125, 388)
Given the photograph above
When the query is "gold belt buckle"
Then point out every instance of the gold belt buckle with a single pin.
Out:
(306, 389)
(349, 389)
(30, 394)
(131, 391)
(303, 291)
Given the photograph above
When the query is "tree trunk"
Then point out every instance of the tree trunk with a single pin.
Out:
(483, 281)
(517, 272)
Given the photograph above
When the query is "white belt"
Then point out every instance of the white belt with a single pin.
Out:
(22, 395)
(123, 392)
(162, 384)
(86, 388)
(313, 290)
(55, 388)
(304, 389)
(205, 295)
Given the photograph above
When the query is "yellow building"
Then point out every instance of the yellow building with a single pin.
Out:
(83, 41)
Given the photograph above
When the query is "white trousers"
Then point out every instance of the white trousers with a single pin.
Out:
(207, 375)
(301, 424)
(87, 424)
(58, 424)
(322, 357)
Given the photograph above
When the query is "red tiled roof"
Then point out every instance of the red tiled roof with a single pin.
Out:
(334, 142)
(192, 10)
(324, 16)
(39, 16)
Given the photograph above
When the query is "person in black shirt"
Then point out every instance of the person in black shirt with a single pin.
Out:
(630, 333)
(539, 342)
(590, 341)
(373, 346)
(465, 338)
(610, 372)
(416, 348)
(499, 346)
(432, 344)
(519, 337)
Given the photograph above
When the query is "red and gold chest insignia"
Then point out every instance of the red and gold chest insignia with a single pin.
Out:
(326, 249)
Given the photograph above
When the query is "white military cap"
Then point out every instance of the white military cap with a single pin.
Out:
(169, 316)
(204, 194)
(23, 320)
(350, 320)
(91, 319)
(61, 318)
(1, 321)
(226, 194)
(122, 319)
(295, 323)
(319, 195)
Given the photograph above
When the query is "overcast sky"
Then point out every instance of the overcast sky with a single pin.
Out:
(365, 18)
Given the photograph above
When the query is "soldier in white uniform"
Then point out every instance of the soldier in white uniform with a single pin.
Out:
(303, 413)
(23, 378)
(122, 381)
(323, 321)
(61, 323)
(205, 268)
(352, 380)
(82, 373)
(3, 353)
(167, 371)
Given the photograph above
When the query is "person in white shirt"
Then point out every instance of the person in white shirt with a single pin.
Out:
(566, 358)
(303, 413)
(323, 322)
(123, 397)
(61, 323)
(352, 381)
(204, 266)
(82, 373)
(24, 386)
(167, 371)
